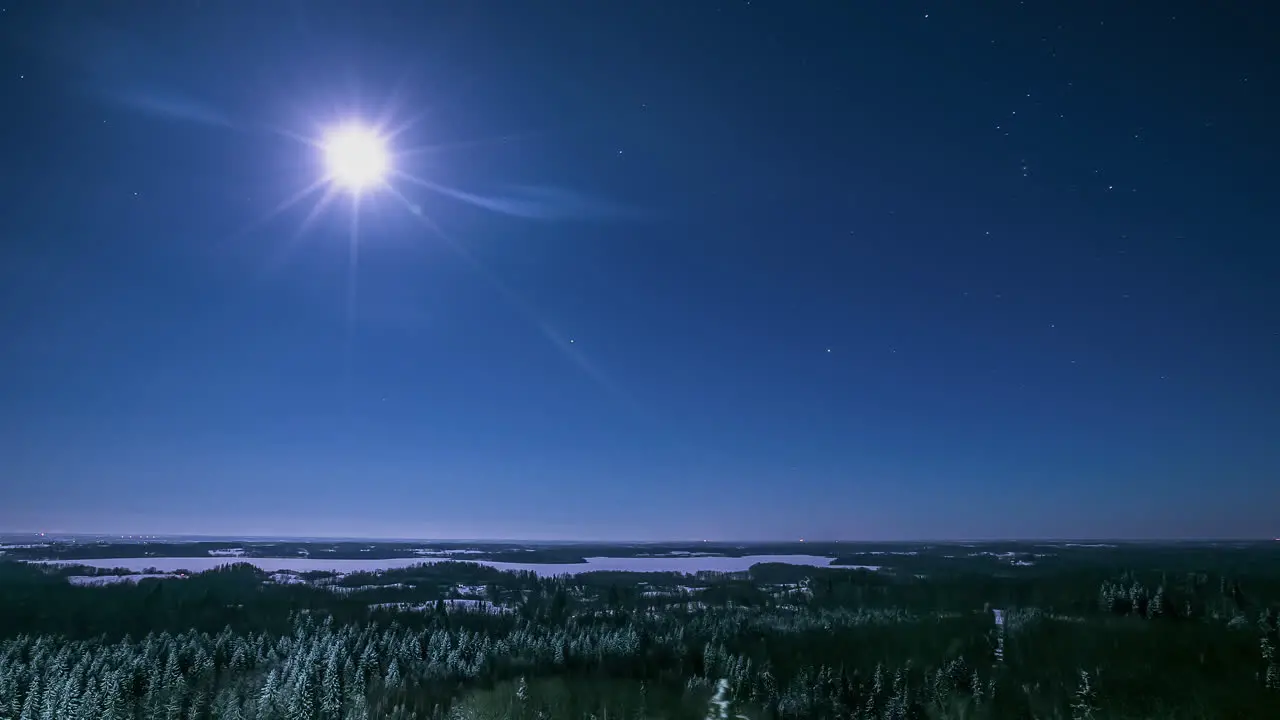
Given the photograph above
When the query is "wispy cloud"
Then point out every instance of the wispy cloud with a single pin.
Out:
(167, 105)
(537, 202)
(122, 68)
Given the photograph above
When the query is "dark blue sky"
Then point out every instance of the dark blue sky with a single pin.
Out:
(748, 270)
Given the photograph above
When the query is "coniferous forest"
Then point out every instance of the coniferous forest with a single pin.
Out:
(1122, 632)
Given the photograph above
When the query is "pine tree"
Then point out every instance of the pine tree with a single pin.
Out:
(199, 703)
(359, 709)
(1135, 598)
(522, 691)
(31, 708)
(768, 688)
(51, 694)
(112, 701)
(300, 705)
(226, 706)
(1083, 707)
(69, 698)
(1106, 598)
(267, 696)
(90, 706)
(392, 680)
(176, 700)
(331, 698)
(1156, 607)
(1271, 677)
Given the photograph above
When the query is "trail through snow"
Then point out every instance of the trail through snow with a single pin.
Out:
(719, 709)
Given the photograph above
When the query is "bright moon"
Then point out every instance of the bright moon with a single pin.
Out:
(356, 157)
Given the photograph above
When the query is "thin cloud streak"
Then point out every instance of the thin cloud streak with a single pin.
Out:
(172, 107)
(533, 202)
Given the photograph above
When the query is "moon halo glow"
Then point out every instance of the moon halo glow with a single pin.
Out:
(356, 158)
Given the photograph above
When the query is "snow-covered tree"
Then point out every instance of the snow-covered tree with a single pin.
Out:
(1084, 704)
(522, 690)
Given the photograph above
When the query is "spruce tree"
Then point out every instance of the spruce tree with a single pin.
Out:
(1083, 706)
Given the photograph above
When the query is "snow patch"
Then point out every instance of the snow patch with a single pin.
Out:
(719, 709)
(100, 580)
(345, 590)
(430, 552)
(286, 578)
(891, 552)
(463, 604)
(680, 553)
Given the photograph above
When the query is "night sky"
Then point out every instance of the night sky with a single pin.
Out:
(668, 269)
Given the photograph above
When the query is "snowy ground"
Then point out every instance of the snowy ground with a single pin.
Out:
(454, 604)
(680, 553)
(594, 564)
(1010, 556)
(674, 592)
(428, 552)
(891, 552)
(98, 580)
(719, 709)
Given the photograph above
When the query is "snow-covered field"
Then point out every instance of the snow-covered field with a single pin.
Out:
(593, 564)
(200, 564)
(674, 592)
(891, 552)
(680, 553)
(454, 604)
(1010, 556)
(98, 580)
(429, 552)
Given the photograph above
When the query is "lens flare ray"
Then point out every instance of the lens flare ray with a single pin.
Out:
(523, 307)
(359, 161)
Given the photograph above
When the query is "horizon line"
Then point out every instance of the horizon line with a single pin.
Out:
(615, 541)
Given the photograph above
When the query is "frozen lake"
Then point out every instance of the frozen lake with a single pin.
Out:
(593, 564)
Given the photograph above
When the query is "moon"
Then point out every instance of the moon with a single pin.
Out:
(356, 158)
